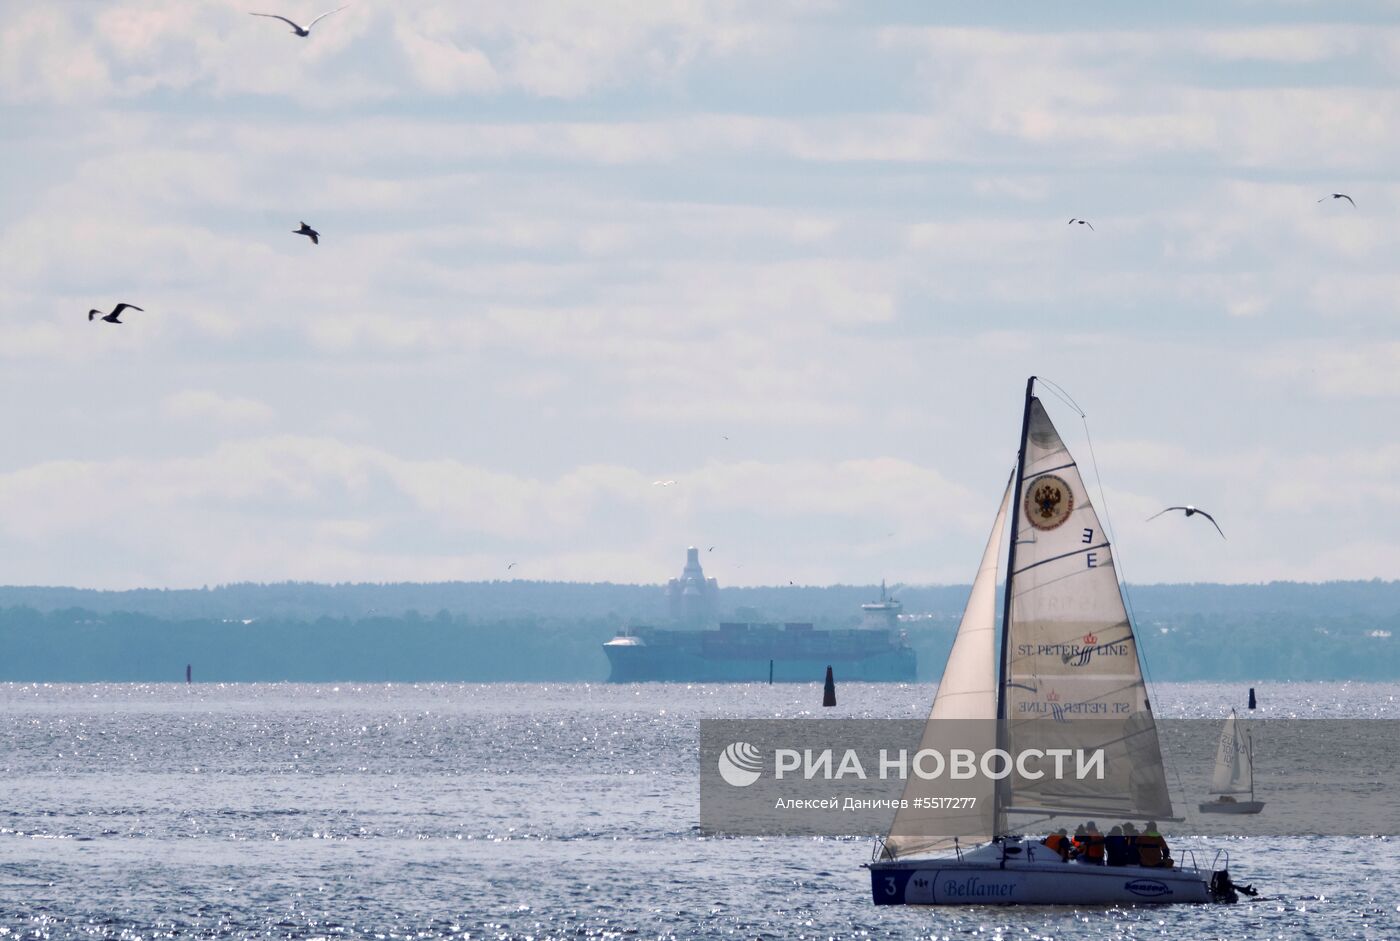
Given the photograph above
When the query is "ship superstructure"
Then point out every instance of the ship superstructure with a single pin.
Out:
(694, 648)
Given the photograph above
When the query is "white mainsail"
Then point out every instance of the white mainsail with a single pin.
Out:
(1072, 676)
(1234, 765)
(968, 690)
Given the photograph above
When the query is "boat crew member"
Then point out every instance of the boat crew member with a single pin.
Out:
(1091, 847)
(1076, 843)
(1152, 848)
(1059, 842)
(1130, 836)
(1116, 847)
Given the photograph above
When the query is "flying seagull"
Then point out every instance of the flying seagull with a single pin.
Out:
(1081, 222)
(114, 316)
(1339, 196)
(711, 549)
(511, 566)
(1190, 510)
(309, 232)
(303, 33)
(662, 483)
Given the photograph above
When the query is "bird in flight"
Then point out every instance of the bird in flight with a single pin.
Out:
(1081, 222)
(1190, 510)
(309, 232)
(303, 33)
(511, 566)
(711, 549)
(115, 315)
(1339, 196)
(662, 483)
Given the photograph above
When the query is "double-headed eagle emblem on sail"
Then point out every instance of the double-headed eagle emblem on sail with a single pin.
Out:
(1049, 501)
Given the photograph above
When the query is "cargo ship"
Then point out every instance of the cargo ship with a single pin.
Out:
(692, 650)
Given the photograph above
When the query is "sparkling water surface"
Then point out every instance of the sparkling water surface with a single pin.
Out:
(525, 811)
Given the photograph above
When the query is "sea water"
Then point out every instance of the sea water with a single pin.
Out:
(526, 811)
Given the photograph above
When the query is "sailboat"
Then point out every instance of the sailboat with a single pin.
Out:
(1234, 772)
(1069, 676)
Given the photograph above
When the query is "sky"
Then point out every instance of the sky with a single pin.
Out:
(798, 257)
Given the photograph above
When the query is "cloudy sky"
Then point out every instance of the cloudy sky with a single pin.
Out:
(799, 257)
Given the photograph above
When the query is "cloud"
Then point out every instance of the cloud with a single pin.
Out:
(364, 54)
(1335, 370)
(1293, 45)
(34, 341)
(301, 507)
(1110, 96)
(444, 67)
(204, 405)
(31, 69)
(568, 246)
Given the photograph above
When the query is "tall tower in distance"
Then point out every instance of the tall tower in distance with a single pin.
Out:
(693, 598)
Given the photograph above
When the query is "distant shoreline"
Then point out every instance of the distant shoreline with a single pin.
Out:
(641, 600)
(553, 632)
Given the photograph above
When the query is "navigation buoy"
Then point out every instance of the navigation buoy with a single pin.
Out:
(829, 694)
(1251, 697)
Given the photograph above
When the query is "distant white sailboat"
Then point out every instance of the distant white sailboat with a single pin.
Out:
(1234, 772)
(1069, 677)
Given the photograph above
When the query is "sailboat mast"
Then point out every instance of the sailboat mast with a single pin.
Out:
(1011, 557)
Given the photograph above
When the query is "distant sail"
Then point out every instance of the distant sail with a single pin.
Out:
(968, 690)
(1074, 679)
(1234, 767)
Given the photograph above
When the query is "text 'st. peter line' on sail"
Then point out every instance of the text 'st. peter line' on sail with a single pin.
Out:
(695, 647)
(1067, 675)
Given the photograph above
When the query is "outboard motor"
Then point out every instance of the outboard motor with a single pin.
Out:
(1223, 889)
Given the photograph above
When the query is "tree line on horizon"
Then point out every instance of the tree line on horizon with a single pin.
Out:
(81, 645)
(644, 603)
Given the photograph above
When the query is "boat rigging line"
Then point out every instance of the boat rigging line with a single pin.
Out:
(1059, 392)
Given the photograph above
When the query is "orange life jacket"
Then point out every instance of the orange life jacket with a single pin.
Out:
(1093, 847)
(1057, 843)
(1152, 849)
